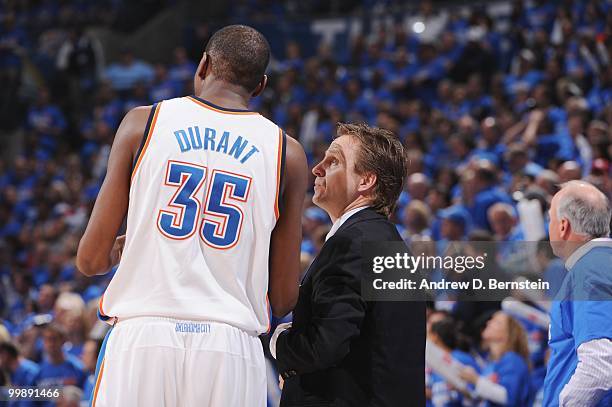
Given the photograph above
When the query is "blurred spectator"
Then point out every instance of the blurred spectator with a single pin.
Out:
(70, 397)
(505, 378)
(46, 122)
(569, 171)
(486, 194)
(19, 370)
(57, 368)
(416, 219)
(125, 74)
(89, 357)
(69, 312)
(504, 222)
(81, 60)
(455, 223)
(182, 69)
(444, 334)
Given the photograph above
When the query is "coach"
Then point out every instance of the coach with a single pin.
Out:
(341, 349)
(580, 366)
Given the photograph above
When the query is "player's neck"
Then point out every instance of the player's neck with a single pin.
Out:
(225, 95)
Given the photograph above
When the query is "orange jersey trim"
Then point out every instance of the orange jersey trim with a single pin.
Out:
(100, 306)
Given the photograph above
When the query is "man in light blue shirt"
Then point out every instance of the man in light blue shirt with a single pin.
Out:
(580, 367)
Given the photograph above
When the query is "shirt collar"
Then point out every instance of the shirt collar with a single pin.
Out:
(584, 249)
(341, 220)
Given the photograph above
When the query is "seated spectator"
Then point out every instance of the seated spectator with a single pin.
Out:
(182, 69)
(70, 315)
(487, 193)
(416, 219)
(125, 74)
(569, 171)
(57, 368)
(512, 255)
(19, 370)
(505, 378)
(46, 122)
(504, 222)
(89, 357)
(163, 87)
(455, 223)
(445, 334)
(71, 396)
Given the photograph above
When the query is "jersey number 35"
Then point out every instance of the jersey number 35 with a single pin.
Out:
(221, 214)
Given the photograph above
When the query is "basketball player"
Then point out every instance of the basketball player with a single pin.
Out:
(213, 194)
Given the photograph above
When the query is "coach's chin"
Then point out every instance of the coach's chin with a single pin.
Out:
(342, 350)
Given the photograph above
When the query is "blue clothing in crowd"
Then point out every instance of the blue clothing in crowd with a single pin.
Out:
(512, 372)
(442, 393)
(482, 202)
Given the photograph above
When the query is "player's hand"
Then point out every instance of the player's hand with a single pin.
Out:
(469, 374)
(281, 382)
(117, 250)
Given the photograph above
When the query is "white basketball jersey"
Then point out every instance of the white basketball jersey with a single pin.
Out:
(202, 206)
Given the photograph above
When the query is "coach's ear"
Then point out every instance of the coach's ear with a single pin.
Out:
(367, 182)
(260, 86)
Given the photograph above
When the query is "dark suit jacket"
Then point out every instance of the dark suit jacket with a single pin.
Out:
(343, 350)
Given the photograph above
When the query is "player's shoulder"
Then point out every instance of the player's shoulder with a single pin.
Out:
(146, 110)
(138, 117)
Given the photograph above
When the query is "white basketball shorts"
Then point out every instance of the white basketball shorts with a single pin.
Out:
(151, 361)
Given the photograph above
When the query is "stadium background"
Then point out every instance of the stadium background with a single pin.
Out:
(497, 102)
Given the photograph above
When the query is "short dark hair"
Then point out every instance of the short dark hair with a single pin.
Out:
(446, 331)
(382, 154)
(239, 55)
(56, 328)
(10, 348)
(486, 172)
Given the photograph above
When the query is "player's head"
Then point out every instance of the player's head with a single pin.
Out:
(237, 55)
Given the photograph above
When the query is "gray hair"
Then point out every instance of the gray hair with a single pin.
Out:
(590, 217)
(502, 206)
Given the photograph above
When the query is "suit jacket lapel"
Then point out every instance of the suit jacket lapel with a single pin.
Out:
(365, 214)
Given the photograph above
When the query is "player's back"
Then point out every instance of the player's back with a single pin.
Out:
(203, 203)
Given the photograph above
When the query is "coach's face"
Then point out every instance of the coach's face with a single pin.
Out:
(337, 184)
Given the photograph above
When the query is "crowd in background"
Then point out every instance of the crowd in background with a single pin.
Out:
(493, 110)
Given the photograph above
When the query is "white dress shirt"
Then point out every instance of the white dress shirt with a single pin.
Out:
(341, 220)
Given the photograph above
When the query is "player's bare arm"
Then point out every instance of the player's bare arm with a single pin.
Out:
(99, 248)
(287, 235)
